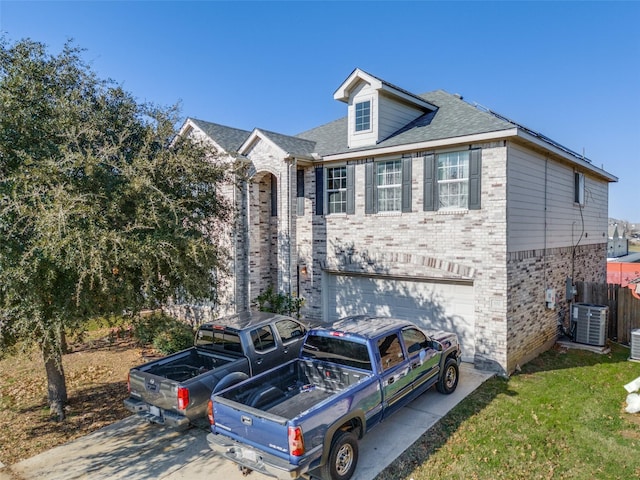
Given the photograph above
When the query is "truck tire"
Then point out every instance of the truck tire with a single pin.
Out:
(343, 457)
(448, 381)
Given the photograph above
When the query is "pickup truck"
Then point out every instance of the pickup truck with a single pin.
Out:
(304, 418)
(175, 389)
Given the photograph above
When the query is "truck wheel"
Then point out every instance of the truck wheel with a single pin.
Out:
(343, 457)
(449, 379)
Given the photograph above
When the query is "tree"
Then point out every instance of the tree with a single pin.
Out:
(103, 210)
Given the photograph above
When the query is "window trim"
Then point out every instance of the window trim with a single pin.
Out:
(329, 191)
(406, 185)
(369, 129)
(431, 197)
(579, 182)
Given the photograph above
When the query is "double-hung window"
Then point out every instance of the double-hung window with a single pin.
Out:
(389, 186)
(363, 116)
(452, 180)
(337, 190)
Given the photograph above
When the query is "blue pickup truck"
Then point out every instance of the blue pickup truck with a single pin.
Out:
(305, 417)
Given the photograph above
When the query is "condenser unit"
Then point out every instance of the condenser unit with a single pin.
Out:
(635, 344)
(590, 323)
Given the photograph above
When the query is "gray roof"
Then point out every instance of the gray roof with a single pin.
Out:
(292, 145)
(453, 118)
(227, 137)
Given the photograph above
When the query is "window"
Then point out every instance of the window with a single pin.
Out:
(290, 330)
(262, 339)
(414, 340)
(389, 186)
(578, 180)
(452, 180)
(337, 190)
(390, 351)
(363, 116)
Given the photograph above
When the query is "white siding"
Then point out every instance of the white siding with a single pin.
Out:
(541, 212)
(393, 115)
(363, 93)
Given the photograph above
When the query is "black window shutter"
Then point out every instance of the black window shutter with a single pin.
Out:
(369, 188)
(274, 196)
(300, 192)
(351, 190)
(430, 183)
(406, 184)
(319, 190)
(475, 184)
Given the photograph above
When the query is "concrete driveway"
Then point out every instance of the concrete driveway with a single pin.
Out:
(132, 449)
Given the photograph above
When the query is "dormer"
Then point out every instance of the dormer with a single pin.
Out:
(377, 109)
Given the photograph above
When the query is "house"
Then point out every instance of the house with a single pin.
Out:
(617, 245)
(418, 206)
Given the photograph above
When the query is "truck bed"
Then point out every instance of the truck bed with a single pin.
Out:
(294, 388)
(187, 365)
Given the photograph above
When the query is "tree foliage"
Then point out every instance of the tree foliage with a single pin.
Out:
(102, 210)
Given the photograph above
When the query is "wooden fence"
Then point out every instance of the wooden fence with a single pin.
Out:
(624, 308)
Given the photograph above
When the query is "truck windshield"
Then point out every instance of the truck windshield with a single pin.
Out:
(219, 339)
(337, 350)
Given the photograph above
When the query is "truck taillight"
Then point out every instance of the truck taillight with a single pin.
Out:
(183, 398)
(210, 413)
(296, 442)
(129, 382)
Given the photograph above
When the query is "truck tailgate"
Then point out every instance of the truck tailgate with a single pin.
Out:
(252, 426)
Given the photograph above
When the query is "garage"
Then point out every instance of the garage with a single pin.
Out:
(432, 304)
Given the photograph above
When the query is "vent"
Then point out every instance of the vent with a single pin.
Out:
(635, 344)
(590, 323)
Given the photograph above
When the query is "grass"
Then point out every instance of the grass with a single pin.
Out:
(634, 247)
(561, 417)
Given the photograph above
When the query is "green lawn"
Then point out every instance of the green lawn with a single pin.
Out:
(561, 417)
(634, 247)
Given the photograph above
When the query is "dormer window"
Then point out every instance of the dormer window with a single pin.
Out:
(363, 116)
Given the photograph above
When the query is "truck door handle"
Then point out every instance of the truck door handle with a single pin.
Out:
(286, 350)
(391, 380)
(415, 365)
(259, 361)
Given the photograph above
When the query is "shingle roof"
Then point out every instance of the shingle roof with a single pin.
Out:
(453, 118)
(293, 145)
(227, 137)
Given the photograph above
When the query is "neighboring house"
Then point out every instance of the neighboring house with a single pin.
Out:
(422, 207)
(617, 245)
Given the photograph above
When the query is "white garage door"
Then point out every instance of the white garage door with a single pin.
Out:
(434, 305)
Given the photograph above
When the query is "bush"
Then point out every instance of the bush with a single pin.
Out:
(165, 333)
(271, 301)
(178, 337)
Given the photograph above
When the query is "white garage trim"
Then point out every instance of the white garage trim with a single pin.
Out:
(434, 304)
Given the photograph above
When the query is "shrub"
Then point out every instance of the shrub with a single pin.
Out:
(176, 338)
(271, 301)
(165, 333)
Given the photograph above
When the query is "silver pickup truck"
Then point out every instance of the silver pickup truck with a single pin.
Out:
(174, 390)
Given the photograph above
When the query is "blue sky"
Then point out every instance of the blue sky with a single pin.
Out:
(569, 70)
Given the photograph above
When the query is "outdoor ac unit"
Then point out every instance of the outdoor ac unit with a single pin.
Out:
(635, 344)
(590, 323)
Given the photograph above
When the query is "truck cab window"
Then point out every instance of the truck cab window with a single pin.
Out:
(262, 339)
(390, 351)
(289, 330)
(414, 340)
